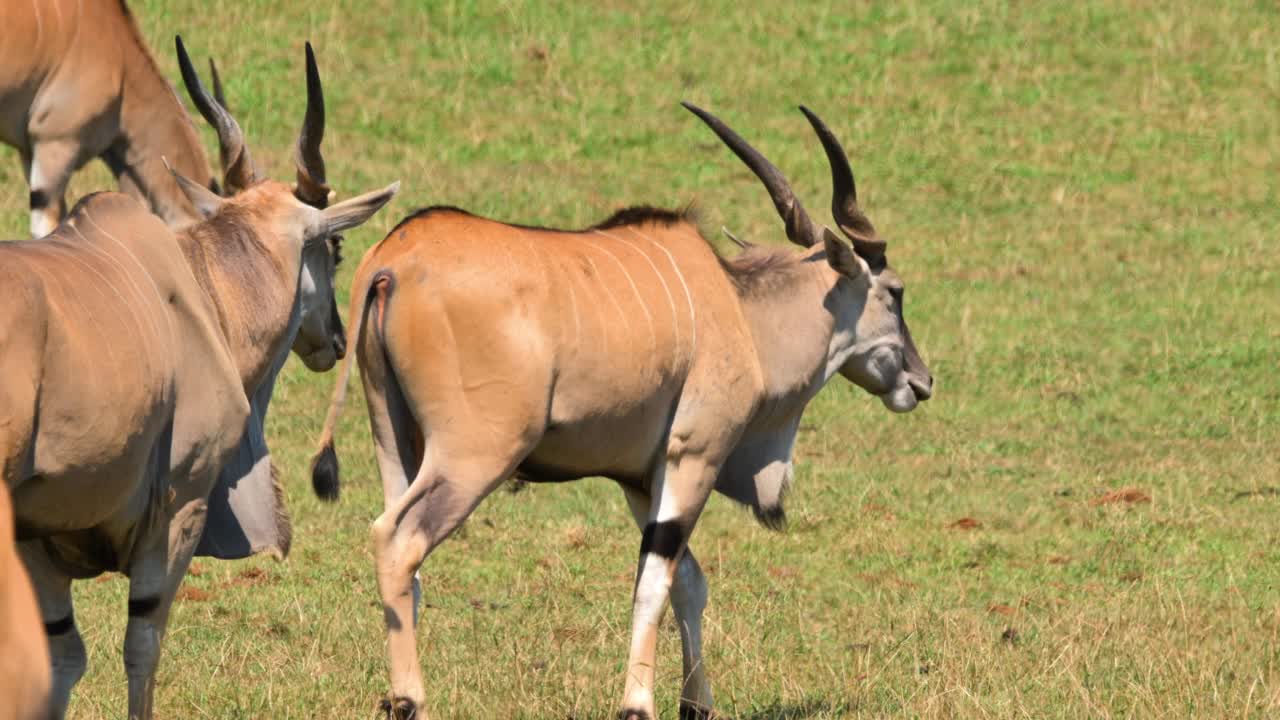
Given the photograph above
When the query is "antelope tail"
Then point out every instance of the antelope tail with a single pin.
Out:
(324, 464)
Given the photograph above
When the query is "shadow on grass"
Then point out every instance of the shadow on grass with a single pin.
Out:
(775, 711)
(790, 711)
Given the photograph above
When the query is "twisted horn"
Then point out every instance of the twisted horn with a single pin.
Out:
(844, 194)
(800, 228)
(312, 188)
(237, 167)
(217, 86)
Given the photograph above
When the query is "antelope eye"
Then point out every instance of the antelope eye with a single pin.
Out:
(896, 294)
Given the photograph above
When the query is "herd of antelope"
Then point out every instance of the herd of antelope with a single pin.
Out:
(142, 332)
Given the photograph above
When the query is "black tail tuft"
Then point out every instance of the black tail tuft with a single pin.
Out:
(324, 474)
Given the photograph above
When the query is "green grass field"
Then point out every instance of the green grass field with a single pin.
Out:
(1083, 201)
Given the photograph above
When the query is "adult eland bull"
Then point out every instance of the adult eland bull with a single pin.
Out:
(128, 356)
(77, 82)
(628, 350)
(246, 509)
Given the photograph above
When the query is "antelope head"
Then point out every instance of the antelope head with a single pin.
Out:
(870, 343)
(321, 339)
(299, 214)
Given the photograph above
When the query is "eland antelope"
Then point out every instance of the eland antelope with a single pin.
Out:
(129, 353)
(24, 652)
(77, 82)
(246, 509)
(628, 350)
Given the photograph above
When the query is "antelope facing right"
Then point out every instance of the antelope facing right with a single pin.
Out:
(628, 350)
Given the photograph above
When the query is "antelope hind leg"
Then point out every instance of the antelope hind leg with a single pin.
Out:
(437, 501)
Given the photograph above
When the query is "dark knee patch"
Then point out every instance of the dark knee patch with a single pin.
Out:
(391, 618)
(143, 605)
(663, 539)
(39, 199)
(401, 708)
(693, 712)
(60, 627)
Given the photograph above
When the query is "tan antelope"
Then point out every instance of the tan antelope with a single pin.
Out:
(77, 82)
(128, 355)
(246, 512)
(628, 350)
(24, 652)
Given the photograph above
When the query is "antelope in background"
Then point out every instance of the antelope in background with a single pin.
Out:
(128, 356)
(246, 510)
(628, 350)
(77, 82)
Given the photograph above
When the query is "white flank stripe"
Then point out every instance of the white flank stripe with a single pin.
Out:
(107, 341)
(653, 337)
(675, 325)
(693, 318)
(612, 300)
(160, 301)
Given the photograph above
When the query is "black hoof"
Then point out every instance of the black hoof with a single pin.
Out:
(398, 709)
(634, 715)
(694, 712)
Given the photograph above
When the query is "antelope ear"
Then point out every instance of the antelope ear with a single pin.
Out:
(841, 257)
(353, 212)
(206, 201)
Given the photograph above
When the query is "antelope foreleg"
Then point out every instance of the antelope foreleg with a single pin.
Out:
(688, 600)
(155, 573)
(66, 649)
(676, 499)
(51, 165)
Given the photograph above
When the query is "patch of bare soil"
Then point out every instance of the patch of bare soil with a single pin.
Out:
(192, 594)
(1123, 496)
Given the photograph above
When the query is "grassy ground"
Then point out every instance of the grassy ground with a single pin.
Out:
(1082, 198)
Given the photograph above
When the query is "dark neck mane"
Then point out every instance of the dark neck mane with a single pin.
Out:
(757, 270)
(630, 216)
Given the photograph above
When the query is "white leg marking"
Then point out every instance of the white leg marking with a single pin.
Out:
(688, 296)
(652, 591)
(644, 307)
(675, 325)
(41, 223)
